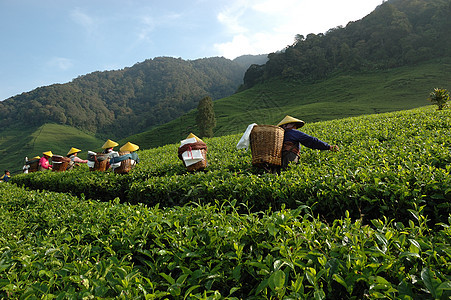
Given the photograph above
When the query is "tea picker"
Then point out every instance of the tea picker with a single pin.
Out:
(275, 147)
(293, 138)
(101, 161)
(125, 160)
(44, 164)
(31, 165)
(74, 159)
(193, 153)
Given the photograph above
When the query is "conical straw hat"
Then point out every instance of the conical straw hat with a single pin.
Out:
(73, 150)
(129, 147)
(109, 144)
(192, 135)
(289, 119)
(48, 153)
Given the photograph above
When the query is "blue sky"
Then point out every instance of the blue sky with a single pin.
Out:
(54, 41)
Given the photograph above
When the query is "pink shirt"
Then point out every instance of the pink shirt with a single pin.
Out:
(44, 162)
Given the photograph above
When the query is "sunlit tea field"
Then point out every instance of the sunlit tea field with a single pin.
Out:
(369, 221)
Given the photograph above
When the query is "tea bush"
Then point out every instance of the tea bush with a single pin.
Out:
(387, 164)
(59, 246)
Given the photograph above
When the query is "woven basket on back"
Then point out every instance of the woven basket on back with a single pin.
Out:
(34, 165)
(102, 162)
(199, 165)
(60, 163)
(266, 145)
(125, 166)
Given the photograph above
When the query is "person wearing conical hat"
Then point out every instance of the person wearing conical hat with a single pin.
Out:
(6, 176)
(130, 147)
(29, 163)
(74, 159)
(293, 138)
(127, 153)
(192, 135)
(192, 152)
(44, 164)
(108, 146)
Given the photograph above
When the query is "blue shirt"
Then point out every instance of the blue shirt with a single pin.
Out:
(296, 136)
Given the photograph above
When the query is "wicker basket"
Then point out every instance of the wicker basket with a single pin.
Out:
(199, 165)
(266, 145)
(126, 165)
(34, 165)
(102, 162)
(60, 163)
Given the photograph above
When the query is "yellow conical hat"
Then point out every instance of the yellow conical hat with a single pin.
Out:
(48, 153)
(192, 135)
(129, 147)
(109, 144)
(73, 150)
(36, 157)
(288, 119)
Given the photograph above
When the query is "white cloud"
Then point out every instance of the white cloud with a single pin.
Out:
(275, 6)
(83, 19)
(60, 63)
(257, 27)
(240, 44)
(230, 17)
(257, 43)
(148, 24)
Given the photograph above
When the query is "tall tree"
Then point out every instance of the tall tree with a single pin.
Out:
(205, 118)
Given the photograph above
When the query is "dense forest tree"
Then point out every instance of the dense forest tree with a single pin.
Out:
(205, 118)
(122, 102)
(397, 33)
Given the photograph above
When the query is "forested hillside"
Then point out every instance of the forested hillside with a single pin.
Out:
(129, 100)
(396, 33)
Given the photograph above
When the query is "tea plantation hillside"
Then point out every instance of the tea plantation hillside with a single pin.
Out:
(19, 142)
(370, 221)
(386, 164)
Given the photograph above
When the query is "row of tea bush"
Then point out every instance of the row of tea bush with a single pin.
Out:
(387, 164)
(59, 246)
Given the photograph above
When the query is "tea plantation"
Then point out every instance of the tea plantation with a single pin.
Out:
(370, 221)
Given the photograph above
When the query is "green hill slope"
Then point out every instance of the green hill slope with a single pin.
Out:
(17, 143)
(344, 95)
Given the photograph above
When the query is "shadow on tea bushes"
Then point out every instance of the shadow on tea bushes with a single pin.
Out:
(104, 186)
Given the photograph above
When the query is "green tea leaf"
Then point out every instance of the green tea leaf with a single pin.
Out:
(430, 282)
(277, 280)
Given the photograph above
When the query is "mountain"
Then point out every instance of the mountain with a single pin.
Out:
(340, 96)
(122, 102)
(395, 34)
